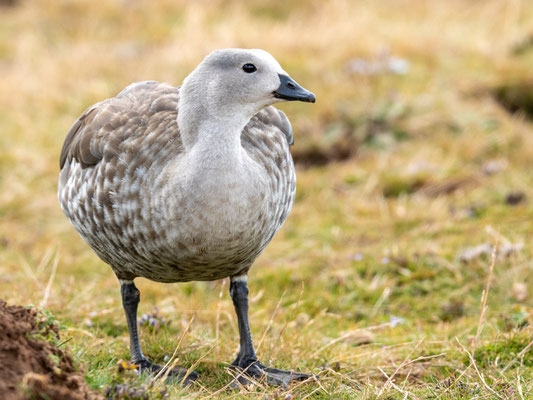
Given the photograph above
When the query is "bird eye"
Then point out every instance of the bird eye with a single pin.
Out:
(249, 68)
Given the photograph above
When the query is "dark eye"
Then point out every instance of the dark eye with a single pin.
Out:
(249, 68)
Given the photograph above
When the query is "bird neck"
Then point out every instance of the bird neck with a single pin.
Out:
(210, 134)
(219, 141)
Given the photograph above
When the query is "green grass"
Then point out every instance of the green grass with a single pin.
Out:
(364, 285)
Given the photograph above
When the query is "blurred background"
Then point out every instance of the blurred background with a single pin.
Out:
(413, 165)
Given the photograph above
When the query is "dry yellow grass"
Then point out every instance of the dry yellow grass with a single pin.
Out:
(373, 237)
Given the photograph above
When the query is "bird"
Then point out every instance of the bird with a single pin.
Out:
(187, 183)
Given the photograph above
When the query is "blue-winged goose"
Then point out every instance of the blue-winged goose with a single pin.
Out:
(188, 183)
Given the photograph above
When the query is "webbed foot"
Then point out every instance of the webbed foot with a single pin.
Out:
(250, 370)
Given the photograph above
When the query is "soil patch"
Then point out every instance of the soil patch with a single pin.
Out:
(31, 366)
(516, 97)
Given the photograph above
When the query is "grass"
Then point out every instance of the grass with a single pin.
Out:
(364, 286)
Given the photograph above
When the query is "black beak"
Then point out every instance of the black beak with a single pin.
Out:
(290, 90)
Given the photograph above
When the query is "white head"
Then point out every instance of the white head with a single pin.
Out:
(236, 84)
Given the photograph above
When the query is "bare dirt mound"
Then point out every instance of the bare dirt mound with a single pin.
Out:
(31, 367)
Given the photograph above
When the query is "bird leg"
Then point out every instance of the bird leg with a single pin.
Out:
(246, 361)
(131, 297)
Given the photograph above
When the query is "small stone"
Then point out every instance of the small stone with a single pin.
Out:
(494, 166)
(508, 249)
(395, 321)
(358, 338)
(485, 250)
(515, 198)
(302, 319)
(471, 253)
(520, 291)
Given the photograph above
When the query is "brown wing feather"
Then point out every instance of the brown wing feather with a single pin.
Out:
(77, 145)
(103, 127)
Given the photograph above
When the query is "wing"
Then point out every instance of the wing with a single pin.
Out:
(267, 138)
(271, 117)
(104, 130)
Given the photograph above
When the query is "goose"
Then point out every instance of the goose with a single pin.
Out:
(188, 183)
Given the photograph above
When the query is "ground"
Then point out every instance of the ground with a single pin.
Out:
(405, 268)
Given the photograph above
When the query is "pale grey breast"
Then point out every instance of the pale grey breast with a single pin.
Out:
(110, 161)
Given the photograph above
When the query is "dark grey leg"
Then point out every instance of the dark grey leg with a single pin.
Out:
(130, 300)
(239, 294)
(246, 360)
